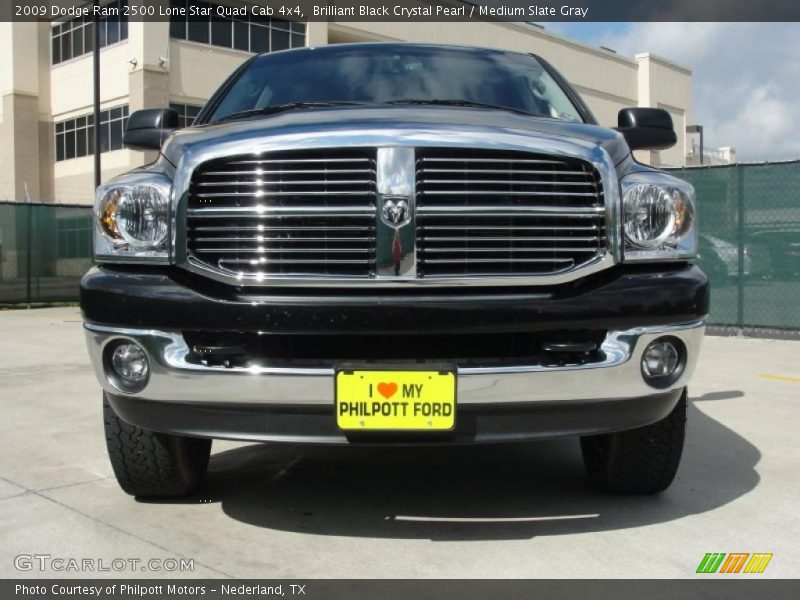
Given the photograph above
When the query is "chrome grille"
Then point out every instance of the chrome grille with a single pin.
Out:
(304, 213)
(487, 212)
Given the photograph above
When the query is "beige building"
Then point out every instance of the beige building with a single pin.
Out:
(46, 128)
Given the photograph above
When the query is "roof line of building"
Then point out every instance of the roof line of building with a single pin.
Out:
(664, 61)
(596, 50)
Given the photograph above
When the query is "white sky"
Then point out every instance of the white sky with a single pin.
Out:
(746, 77)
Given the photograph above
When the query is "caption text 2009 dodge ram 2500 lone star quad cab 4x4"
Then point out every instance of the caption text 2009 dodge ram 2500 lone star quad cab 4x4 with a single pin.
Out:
(394, 244)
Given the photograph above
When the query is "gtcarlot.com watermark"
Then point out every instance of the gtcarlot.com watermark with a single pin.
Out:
(47, 563)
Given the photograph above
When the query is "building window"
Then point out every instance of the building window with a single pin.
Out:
(71, 39)
(249, 34)
(186, 114)
(75, 137)
(74, 237)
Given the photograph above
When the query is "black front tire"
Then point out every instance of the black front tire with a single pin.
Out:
(638, 461)
(149, 464)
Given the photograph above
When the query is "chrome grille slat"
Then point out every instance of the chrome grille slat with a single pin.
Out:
(506, 193)
(261, 182)
(486, 213)
(505, 211)
(278, 228)
(507, 182)
(300, 161)
(500, 227)
(270, 211)
(522, 161)
(307, 213)
(300, 193)
(286, 261)
(292, 172)
(295, 240)
(501, 250)
(508, 239)
(517, 172)
(283, 250)
(498, 260)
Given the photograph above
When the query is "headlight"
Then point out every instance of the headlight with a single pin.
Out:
(658, 217)
(133, 220)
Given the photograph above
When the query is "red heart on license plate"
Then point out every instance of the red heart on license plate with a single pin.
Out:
(387, 390)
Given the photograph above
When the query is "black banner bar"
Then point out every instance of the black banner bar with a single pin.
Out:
(709, 587)
(415, 10)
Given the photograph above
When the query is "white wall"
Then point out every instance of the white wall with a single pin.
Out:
(74, 178)
(71, 91)
(664, 84)
(19, 114)
(188, 60)
(191, 73)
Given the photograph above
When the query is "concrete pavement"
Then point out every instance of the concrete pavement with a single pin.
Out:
(288, 511)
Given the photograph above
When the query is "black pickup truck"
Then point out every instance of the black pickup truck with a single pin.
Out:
(395, 244)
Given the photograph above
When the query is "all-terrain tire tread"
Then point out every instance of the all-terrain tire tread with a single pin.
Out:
(638, 461)
(151, 464)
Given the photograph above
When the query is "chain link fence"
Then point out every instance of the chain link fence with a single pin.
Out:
(44, 251)
(749, 245)
(750, 242)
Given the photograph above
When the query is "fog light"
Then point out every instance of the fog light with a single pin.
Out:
(663, 361)
(660, 359)
(127, 366)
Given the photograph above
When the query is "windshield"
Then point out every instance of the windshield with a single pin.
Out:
(390, 73)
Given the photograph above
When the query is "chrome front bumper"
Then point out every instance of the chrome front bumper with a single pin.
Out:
(174, 379)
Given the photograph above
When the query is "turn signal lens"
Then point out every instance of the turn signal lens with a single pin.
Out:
(107, 215)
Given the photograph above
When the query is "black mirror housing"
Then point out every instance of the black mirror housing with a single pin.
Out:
(646, 128)
(147, 129)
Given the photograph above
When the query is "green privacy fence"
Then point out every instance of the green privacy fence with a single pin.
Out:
(44, 251)
(750, 242)
(749, 245)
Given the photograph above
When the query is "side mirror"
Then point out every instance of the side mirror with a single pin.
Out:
(646, 128)
(147, 129)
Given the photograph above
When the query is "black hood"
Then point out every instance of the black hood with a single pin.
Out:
(472, 120)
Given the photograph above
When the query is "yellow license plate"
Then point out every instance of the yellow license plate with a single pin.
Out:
(395, 400)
